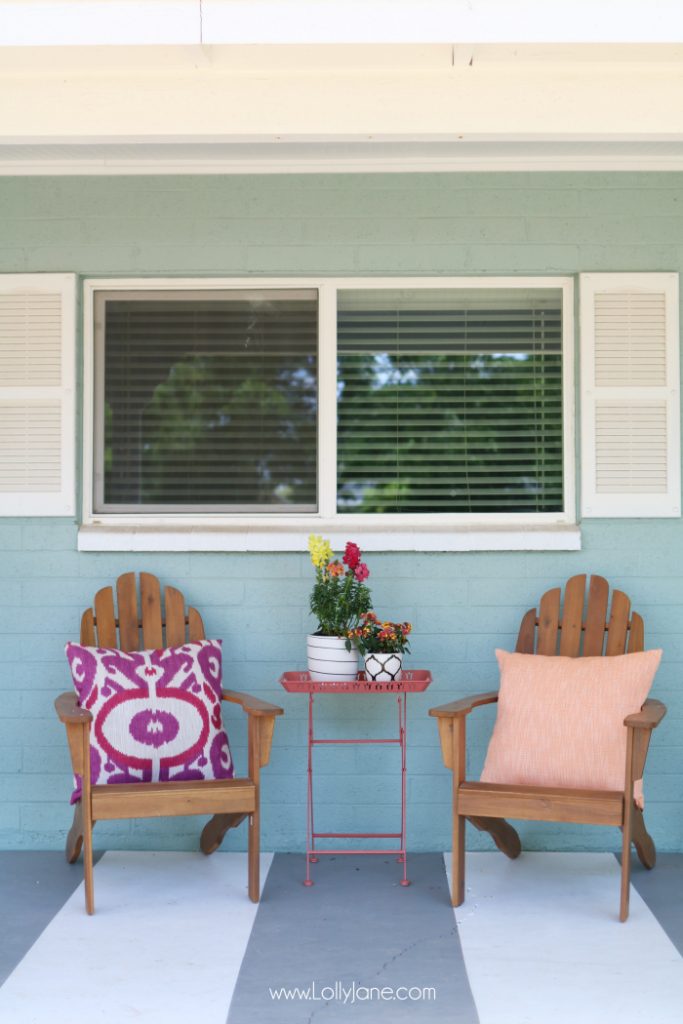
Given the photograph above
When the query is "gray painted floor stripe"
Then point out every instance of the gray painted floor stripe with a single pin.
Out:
(356, 924)
(34, 886)
(662, 891)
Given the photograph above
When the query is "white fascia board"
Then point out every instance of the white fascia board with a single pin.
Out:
(233, 58)
(354, 156)
(200, 104)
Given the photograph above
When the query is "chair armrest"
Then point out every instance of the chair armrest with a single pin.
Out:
(261, 725)
(69, 711)
(252, 705)
(464, 706)
(649, 716)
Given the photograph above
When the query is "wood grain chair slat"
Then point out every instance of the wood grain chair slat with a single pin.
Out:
(195, 626)
(88, 628)
(618, 624)
(572, 616)
(127, 601)
(636, 637)
(150, 606)
(548, 622)
(527, 633)
(106, 618)
(174, 604)
(596, 617)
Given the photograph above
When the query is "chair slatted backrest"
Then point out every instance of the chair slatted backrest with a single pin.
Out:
(560, 627)
(144, 623)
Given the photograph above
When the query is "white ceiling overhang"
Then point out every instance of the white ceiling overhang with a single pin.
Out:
(285, 22)
(248, 107)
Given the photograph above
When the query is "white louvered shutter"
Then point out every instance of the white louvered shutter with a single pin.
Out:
(630, 395)
(37, 379)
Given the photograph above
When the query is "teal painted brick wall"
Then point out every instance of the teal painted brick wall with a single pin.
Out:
(463, 605)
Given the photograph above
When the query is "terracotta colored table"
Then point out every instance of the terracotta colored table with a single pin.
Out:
(412, 681)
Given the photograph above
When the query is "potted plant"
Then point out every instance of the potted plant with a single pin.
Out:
(339, 598)
(382, 645)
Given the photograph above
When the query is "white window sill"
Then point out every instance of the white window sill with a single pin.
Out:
(288, 538)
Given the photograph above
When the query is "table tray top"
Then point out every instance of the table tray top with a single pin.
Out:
(412, 681)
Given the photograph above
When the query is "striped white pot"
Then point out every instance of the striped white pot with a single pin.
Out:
(383, 668)
(329, 659)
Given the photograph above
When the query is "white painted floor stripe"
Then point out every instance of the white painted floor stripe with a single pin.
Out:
(543, 944)
(164, 947)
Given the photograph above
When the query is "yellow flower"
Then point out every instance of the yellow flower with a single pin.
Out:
(321, 552)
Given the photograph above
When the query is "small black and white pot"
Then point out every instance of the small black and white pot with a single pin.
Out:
(383, 668)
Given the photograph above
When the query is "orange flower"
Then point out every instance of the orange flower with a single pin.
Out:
(335, 569)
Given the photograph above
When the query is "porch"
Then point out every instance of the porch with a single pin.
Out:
(175, 938)
(406, 174)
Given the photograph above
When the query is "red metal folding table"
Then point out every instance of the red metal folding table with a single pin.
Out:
(411, 681)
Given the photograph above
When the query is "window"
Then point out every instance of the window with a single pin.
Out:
(450, 401)
(206, 402)
(348, 404)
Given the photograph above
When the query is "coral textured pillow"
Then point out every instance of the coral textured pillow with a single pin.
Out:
(156, 714)
(560, 721)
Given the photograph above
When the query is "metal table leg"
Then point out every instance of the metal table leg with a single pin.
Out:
(402, 727)
(310, 839)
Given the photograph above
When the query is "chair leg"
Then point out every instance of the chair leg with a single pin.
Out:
(642, 840)
(87, 861)
(88, 823)
(215, 829)
(253, 856)
(503, 834)
(74, 840)
(458, 764)
(625, 876)
(627, 836)
(458, 861)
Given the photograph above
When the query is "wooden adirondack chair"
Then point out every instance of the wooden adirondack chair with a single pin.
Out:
(230, 801)
(486, 805)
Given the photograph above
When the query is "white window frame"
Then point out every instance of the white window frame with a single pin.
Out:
(282, 531)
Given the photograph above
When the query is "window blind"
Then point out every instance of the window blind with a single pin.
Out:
(450, 401)
(207, 400)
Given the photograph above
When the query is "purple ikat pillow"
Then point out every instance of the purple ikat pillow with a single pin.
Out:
(156, 714)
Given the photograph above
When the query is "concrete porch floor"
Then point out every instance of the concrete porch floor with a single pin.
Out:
(174, 938)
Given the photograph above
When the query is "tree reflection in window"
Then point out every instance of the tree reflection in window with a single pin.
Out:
(450, 402)
(211, 403)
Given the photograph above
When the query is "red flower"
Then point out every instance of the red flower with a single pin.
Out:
(352, 555)
(361, 572)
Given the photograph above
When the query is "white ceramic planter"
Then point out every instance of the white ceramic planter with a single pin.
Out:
(383, 668)
(329, 659)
